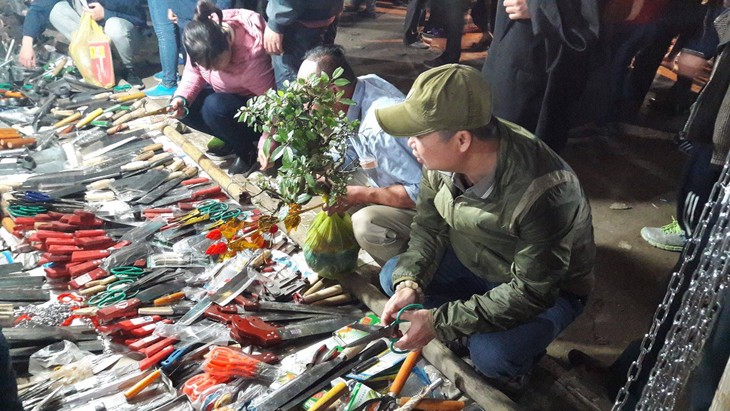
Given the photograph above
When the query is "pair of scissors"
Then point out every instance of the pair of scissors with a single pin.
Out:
(120, 290)
(127, 272)
(390, 331)
(26, 210)
(115, 292)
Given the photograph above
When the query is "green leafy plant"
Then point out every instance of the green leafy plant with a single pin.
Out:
(310, 135)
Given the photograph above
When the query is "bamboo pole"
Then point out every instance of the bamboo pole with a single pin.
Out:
(233, 189)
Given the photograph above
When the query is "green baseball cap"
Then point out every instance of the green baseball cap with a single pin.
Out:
(448, 97)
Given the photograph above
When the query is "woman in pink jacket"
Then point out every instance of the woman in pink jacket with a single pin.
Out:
(226, 65)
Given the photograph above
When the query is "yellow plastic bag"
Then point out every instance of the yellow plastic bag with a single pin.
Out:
(91, 52)
(330, 248)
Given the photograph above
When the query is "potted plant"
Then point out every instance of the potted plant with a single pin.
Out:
(308, 136)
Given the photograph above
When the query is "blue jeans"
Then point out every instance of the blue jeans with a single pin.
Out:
(501, 354)
(166, 40)
(214, 113)
(297, 41)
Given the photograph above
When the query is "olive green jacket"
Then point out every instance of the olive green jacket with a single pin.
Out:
(532, 233)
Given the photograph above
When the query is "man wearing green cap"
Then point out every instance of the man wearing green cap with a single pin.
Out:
(502, 241)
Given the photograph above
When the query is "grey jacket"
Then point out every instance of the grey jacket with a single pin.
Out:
(284, 13)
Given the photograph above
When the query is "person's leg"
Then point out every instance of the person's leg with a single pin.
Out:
(382, 231)
(502, 354)
(699, 178)
(124, 37)
(297, 41)
(452, 281)
(194, 118)
(414, 12)
(218, 112)
(65, 19)
(452, 14)
(166, 40)
(511, 353)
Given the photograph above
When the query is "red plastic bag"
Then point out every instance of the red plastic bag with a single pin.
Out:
(91, 52)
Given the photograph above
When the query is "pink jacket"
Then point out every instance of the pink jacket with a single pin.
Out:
(249, 72)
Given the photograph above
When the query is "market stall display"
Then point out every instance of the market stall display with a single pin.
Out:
(172, 295)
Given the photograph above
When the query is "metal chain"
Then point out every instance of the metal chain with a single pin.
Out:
(693, 322)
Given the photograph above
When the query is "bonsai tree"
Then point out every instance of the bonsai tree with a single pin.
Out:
(307, 134)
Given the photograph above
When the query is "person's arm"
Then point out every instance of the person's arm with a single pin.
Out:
(429, 236)
(282, 13)
(542, 258)
(429, 239)
(394, 196)
(191, 82)
(36, 20)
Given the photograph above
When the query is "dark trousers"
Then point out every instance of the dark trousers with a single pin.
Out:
(501, 354)
(214, 113)
(699, 178)
(415, 14)
(8, 387)
(298, 40)
(451, 12)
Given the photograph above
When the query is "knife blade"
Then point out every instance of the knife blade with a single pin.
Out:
(189, 195)
(168, 185)
(250, 305)
(256, 331)
(314, 379)
(207, 301)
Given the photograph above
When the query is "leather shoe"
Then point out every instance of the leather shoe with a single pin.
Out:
(243, 167)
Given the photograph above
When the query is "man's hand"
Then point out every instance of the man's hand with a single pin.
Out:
(400, 299)
(517, 9)
(352, 197)
(273, 41)
(420, 332)
(26, 57)
(96, 10)
(177, 108)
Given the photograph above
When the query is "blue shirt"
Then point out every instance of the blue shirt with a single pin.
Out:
(396, 163)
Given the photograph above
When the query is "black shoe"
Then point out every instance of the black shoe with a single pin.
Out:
(219, 153)
(243, 167)
(132, 78)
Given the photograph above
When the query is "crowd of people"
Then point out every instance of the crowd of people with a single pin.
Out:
(473, 213)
